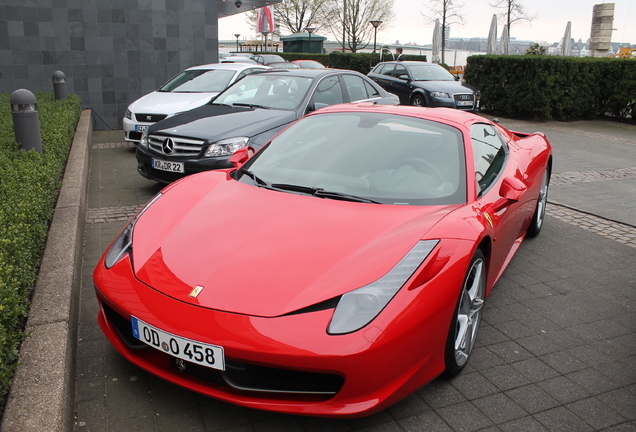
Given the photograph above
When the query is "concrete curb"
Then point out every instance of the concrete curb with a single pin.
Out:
(41, 397)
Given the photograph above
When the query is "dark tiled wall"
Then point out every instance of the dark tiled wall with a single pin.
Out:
(112, 52)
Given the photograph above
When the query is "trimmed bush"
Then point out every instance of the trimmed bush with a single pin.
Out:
(29, 183)
(561, 88)
(360, 62)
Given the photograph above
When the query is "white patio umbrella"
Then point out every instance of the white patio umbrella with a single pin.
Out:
(566, 46)
(491, 48)
(437, 42)
(505, 41)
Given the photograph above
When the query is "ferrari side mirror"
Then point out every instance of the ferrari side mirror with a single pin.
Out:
(241, 156)
(511, 190)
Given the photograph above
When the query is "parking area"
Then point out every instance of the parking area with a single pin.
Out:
(556, 350)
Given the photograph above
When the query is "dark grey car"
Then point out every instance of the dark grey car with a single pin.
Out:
(248, 113)
(425, 84)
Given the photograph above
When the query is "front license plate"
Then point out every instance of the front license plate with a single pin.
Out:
(140, 128)
(168, 166)
(186, 349)
(464, 103)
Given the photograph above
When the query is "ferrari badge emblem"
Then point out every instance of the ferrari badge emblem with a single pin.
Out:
(489, 219)
(196, 291)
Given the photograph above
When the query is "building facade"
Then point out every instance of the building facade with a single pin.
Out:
(112, 52)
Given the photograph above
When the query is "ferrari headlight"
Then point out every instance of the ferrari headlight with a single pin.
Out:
(143, 141)
(226, 147)
(123, 243)
(359, 307)
(128, 114)
(440, 95)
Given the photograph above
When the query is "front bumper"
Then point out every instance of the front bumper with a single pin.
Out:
(356, 374)
(191, 165)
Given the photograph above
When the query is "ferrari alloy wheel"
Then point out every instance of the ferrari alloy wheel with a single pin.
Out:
(467, 317)
(539, 213)
(418, 100)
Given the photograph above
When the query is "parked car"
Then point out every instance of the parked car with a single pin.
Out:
(237, 59)
(283, 65)
(309, 64)
(425, 84)
(248, 113)
(189, 89)
(336, 271)
(266, 59)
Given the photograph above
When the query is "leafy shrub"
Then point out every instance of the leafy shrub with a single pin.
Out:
(546, 87)
(360, 62)
(29, 183)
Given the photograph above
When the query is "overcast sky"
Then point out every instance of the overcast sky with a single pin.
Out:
(410, 26)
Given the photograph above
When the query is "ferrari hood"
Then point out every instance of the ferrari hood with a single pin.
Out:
(170, 103)
(260, 252)
(214, 122)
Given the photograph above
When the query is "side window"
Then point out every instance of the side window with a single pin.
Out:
(399, 71)
(355, 87)
(371, 91)
(388, 70)
(328, 91)
(489, 152)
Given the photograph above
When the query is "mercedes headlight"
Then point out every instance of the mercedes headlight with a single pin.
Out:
(143, 141)
(122, 245)
(359, 307)
(226, 147)
(440, 95)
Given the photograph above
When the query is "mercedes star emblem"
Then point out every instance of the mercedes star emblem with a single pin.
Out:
(168, 146)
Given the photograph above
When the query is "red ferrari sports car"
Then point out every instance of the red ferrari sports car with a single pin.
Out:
(335, 271)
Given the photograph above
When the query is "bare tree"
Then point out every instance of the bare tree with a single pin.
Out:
(349, 20)
(448, 12)
(513, 11)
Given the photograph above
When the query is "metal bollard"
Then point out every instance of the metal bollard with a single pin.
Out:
(26, 123)
(59, 85)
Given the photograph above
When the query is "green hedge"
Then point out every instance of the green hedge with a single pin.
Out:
(29, 183)
(561, 88)
(361, 62)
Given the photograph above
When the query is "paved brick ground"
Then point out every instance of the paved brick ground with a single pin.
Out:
(556, 350)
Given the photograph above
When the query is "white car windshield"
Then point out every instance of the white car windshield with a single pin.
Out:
(267, 91)
(381, 158)
(199, 81)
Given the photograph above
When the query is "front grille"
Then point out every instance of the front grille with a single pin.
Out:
(240, 376)
(150, 118)
(181, 147)
(462, 98)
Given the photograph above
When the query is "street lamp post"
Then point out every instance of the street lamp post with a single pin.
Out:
(375, 24)
(237, 35)
(310, 30)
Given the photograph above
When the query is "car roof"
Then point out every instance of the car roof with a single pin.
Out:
(309, 73)
(226, 66)
(411, 63)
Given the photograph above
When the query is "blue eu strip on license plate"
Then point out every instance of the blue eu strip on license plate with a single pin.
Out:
(201, 353)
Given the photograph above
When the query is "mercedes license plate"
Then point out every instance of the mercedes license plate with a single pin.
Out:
(168, 166)
(186, 349)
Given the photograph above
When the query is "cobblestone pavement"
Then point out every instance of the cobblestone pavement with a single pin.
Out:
(557, 346)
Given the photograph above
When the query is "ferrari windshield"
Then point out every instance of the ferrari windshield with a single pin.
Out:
(366, 157)
(430, 73)
(199, 80)
(266, 91)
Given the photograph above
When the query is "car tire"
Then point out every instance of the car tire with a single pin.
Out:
(467, 316)
(418, 100)
(539, 212)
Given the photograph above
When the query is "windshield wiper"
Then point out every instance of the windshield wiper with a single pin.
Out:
(252, 105)
(259, 181)
(321, 193)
